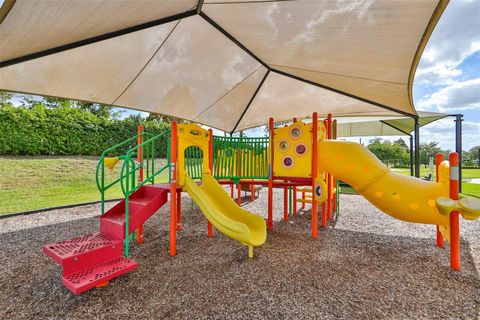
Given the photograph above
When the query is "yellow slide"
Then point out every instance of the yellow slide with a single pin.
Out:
(225, 215)
(403, 197)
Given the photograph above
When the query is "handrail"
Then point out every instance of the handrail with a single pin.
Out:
(129, 169)
(102, 157)
(128, 159)
(125, 177)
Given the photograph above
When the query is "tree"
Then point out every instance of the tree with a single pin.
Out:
(400, 142)
(428, 150)
(394, 154)
(5, 98)
(472, 157)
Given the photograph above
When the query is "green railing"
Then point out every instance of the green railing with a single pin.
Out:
(193, 162)
(238, 158)
(129, 174)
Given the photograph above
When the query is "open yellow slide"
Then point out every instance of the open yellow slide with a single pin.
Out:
(403, 197)
(225, 215)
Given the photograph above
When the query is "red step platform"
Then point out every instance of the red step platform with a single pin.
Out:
(96, 258)
(143, 203)
(95, 275)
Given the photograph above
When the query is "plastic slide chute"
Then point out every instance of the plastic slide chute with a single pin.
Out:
(403, 197)
(224, 214)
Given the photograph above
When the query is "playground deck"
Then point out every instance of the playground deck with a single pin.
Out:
(369, 266)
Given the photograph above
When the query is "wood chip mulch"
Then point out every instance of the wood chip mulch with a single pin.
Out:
(366, 266)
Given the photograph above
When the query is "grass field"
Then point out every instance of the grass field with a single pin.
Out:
(28, 183)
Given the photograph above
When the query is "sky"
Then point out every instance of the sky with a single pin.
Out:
(447, 78)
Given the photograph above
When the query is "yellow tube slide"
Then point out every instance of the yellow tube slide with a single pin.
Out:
(224, 214)
(403, 197)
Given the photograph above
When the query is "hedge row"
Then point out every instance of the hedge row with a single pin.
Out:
(66, 131)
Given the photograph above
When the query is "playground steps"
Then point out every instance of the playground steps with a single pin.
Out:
(98, 274)
(94, 259)
(143, 203)
(89, 260)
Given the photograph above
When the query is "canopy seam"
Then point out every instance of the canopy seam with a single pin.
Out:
(233, 88)
(146, 64)
(251, 100)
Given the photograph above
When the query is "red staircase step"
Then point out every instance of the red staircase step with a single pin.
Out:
(142, 205)
(90, 277)
(78, 253)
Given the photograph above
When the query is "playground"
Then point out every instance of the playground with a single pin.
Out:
(194, 219)
(367, 266)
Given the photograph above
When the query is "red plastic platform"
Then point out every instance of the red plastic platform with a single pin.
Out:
(96, 258)
(81, 252)
(143, 203)
(90, 277)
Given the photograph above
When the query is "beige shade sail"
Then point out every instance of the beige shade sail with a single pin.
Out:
(384, 126)
(230, 65)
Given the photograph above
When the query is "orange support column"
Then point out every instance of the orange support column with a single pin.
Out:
(454, 216)
(294, 200)
(324, 215)
(231, 190)
(329, 176)
(179, 210)
(270, 177)
(210, 166)
(314, 174)
(334, 180)
(140, 174)
(285, 204)
(173, 190)
(239, 194)
(438, 161)
(303, 198)
(252, 192)
(324, 205)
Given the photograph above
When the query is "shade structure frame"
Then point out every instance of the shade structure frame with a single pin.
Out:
(386, 126)
(392, 126)
(97, 38)
(199, 11)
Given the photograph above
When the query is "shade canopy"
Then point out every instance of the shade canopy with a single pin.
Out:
(384, 126)
(230, 65)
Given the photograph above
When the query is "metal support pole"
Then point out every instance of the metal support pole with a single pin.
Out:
(458, 146)
(411, 156)
(417, 149)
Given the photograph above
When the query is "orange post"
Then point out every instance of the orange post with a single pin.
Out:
(314, 174)
(179, 210)
(294, 200)
(324, 205)
(270, 178)
(252, 192)
(329, 176)
(140, 174)
(438, 161)
(324, 215)
(231, 190)
(334, 180)
(173, 190)
(303, 198)
(210, 166)
(239, 194)
(285, 204)
(454, 216)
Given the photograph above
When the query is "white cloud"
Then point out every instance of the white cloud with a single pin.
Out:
(455, 38)
(458, 96)
(443, 131)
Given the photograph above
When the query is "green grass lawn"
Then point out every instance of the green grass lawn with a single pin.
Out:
(468, 189)
(28, 183)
